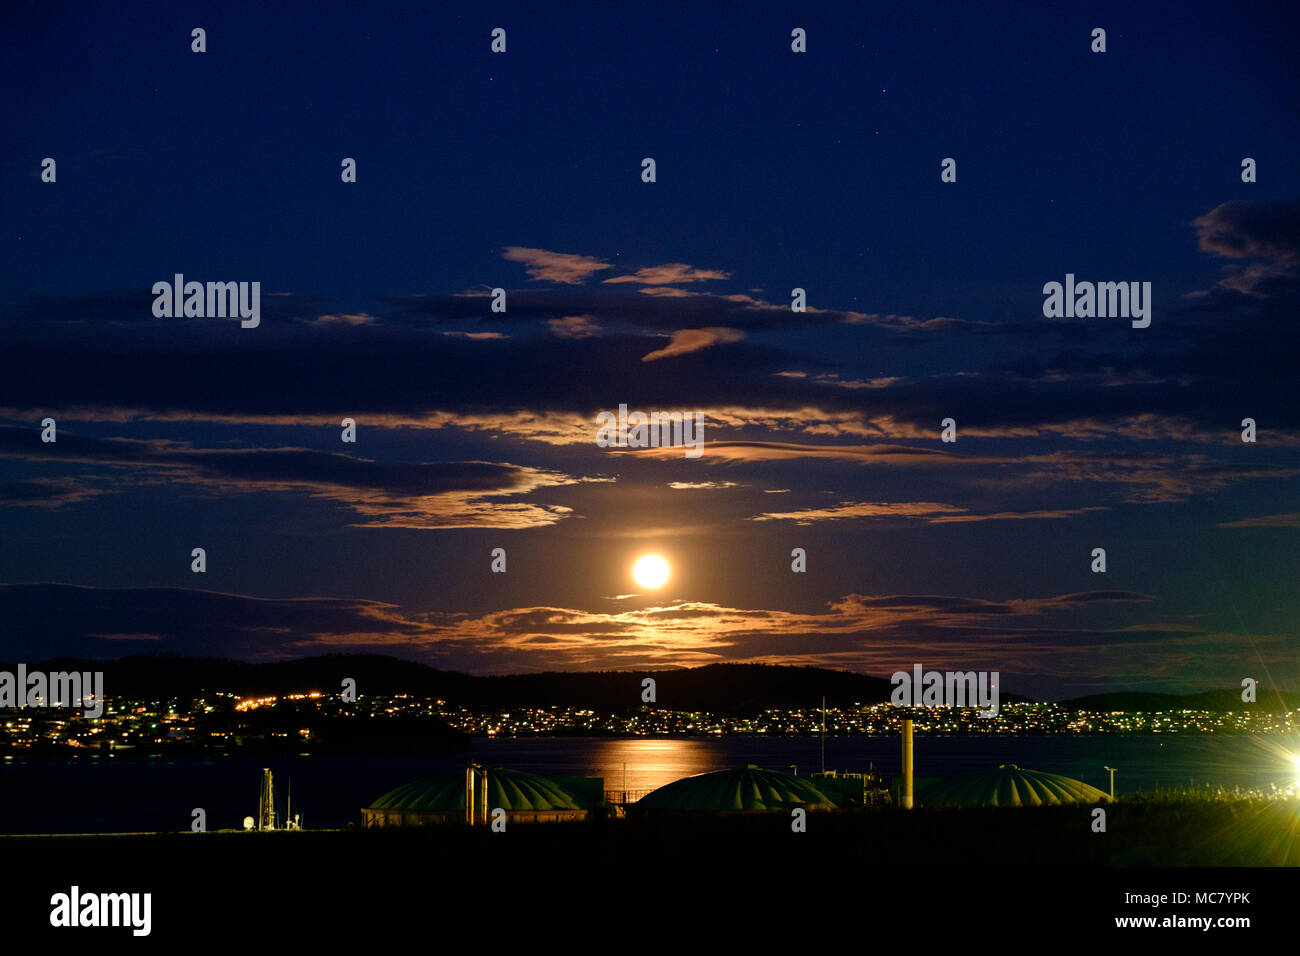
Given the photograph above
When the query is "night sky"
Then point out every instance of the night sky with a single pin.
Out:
(475, 430)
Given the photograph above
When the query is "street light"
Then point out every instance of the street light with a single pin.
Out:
(1112, 780)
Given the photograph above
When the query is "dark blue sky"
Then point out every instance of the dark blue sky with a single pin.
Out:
(775, 170)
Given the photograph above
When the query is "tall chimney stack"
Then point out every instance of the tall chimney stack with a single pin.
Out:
(469, 794)
(907, 765)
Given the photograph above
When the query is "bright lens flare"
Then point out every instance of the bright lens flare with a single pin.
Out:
(651, 571)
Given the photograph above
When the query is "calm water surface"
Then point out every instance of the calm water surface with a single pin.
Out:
(124, 793)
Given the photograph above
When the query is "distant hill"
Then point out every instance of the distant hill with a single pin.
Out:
(718, 688)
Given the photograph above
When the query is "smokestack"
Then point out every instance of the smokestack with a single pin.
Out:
(469, 795)
(266, 802)
(907, 765)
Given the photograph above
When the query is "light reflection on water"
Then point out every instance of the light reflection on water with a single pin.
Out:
(1144, 763)
(649, 763)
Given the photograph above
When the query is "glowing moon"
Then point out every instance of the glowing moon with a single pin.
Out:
(651, 571)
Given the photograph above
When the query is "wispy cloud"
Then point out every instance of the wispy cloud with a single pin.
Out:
(1254, 230)
(1289, 520)
(929, 511)
(1022, 638)
(50, 494)
(574, 326)
(861, 509)
(345, 318)
(685, 341)
(458, 494)
(1042, 515)
(562, 267)
(672, 273)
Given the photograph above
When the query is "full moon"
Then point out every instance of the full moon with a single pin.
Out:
(651, 571)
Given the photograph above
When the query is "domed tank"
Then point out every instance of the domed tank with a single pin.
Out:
(1008, 786)
(525, 797)
(744, 789)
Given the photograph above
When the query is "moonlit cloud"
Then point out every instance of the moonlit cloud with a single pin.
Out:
(358, 318)
(574, 327)
(685, 341)
(929, 511)
(1290, 520)
(428, 495)
(50, 493)
(1254, 230)
(862, 509)
(561, 267)
(673, 273)
(1024, 638)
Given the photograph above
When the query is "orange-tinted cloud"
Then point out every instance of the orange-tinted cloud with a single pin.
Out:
(1043, 515)
(574, 326)
(862, 509)
(929, 511)
(665, 291)
(458, 494)
(51, 494)
(1250, 230)
(1022, 638)
(559, 267)
(685, 341)
(750, 451)
(671, 273)
(345, 318)
(865, 633)
(1253, 230)
(1290, 520)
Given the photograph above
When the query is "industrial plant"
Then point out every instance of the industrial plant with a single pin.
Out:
(472, 798)
(482, 795)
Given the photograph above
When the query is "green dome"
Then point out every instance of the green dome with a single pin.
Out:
(745, 788)
(1008, 786)
(508, 789)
